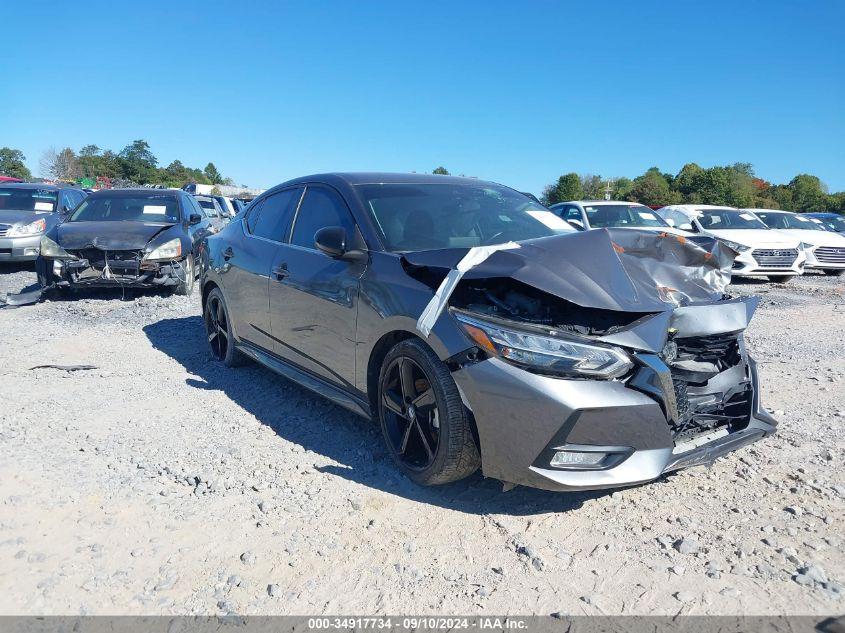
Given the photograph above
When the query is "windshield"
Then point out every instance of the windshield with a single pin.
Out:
(21, 199)
(416, 217)
(833, 223)
(788, 221)
(622, 215)
(721, 219)
(149, 208)
(208, 205)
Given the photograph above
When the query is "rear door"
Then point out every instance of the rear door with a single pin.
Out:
(313, 297)
(250, 258)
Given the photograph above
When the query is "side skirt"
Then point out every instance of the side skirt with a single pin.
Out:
(340, 397)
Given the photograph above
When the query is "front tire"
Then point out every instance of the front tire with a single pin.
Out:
(186, 285)
(427, 429)
(219, 331)
(779, 279)
(834, 272)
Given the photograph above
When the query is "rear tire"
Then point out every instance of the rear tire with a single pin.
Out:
(219, 331)
(834, 272)
(427, 429)
(779, 279)
(186, 286)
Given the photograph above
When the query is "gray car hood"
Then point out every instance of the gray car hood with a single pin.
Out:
(117, 236)
(612, 269)
(14, 216)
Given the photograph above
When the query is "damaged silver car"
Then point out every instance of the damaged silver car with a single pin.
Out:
(481, 330)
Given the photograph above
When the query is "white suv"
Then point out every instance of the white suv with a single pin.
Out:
(763, 252)
(825, 250)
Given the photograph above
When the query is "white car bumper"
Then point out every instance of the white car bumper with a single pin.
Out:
(759, 262)
(826, 257)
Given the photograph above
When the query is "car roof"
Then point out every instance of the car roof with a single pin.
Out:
(698, 207)
(822, 214)
(599, 203)
(378, 177)
(125, 193)
(38, 185)
(771, 211)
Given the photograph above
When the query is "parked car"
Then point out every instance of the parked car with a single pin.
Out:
(213, 211)
(600, 214)
(825, 250)
(133, 238)
(227, 206)
(762, 252)
(832, 221)
(239, 204)
(479, 329)
(27, 211)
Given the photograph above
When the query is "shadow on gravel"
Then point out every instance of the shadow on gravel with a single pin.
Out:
(303, 418)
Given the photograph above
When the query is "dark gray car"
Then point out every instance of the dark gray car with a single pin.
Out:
(482, 331)
(27, 211)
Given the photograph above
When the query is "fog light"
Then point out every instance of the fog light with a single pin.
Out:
(30, 251)
(572, 458)
(57, 268)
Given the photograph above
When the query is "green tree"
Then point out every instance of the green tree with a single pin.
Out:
(12, 163)
(809, 194)
(688, 180)
(137, 162)
(653, 189)
(621, 188)
(592, 187)
(212, 174)
(441, 171)
(567, 187)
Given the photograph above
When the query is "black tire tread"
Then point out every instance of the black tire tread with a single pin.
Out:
(462, 457)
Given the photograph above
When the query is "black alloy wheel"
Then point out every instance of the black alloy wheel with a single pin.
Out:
(410, 413)
(217, 327)
(429, 433)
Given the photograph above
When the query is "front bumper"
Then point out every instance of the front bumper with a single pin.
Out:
(20, 249)
(825, 258)
(523, 417)
(747, 264)
(79, 274)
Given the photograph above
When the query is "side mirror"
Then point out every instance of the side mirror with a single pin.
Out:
(194, 218)
(576, 224)
(331, 240)
(669, 221)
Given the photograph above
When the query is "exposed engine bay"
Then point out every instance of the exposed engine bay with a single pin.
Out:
(95, 266)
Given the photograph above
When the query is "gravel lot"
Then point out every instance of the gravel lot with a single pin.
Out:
(163, 483)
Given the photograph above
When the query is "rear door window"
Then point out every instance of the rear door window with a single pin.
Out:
(275, 214)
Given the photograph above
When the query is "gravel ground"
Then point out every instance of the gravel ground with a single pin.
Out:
(163, 483)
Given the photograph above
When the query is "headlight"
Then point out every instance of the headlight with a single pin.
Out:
(50, 249)
(546, 354)
(33, 228)
(168, 250)
(806, 247)
(739, 248)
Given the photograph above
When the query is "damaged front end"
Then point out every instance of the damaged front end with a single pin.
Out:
(602, 359)
(93, 267)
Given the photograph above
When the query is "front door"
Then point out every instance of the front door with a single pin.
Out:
(250, 259)
(313, 297)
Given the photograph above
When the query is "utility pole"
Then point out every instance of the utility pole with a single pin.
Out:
(608, 188)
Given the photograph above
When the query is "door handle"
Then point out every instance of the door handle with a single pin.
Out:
(280, 272)
(228, 254)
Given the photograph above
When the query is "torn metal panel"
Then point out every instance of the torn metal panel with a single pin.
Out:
(474, 257)
(611, 269)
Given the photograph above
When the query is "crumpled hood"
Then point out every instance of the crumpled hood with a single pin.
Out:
(110, 236)
(12, 216)
(612, 269)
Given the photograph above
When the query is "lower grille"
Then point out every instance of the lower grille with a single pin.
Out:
(4, 229)
(775, 258)
(93, 261)
(830, 254)
(699, 412)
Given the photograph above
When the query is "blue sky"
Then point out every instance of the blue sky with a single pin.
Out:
(513, 92)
